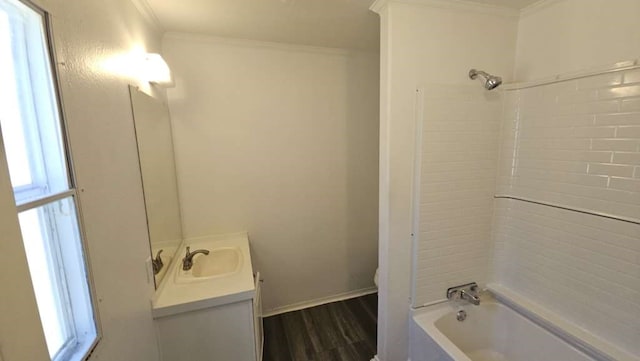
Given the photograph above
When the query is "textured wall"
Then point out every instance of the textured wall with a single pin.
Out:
(280, 141)
(96, 40)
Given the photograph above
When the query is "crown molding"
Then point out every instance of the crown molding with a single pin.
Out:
(538, 6)
(377, 5)
(460, 5)
(147, 12)
(248, 43)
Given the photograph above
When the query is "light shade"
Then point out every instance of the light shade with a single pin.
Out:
(155, 70)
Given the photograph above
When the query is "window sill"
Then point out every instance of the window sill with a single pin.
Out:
(82, 351)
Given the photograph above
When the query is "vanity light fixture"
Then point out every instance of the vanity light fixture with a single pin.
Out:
(155, 70)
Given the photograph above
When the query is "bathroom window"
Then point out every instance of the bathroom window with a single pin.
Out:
(34, 143)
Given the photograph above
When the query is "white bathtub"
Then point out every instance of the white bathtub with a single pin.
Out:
(491, 332)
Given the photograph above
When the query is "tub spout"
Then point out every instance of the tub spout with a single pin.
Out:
(468, 292)
(470, 296)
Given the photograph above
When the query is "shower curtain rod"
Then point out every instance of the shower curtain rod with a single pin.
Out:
(567, 208)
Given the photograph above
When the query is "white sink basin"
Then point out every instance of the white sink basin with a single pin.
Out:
(223, 277)
(220, 262)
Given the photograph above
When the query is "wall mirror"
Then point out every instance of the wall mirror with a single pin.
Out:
(157, 165)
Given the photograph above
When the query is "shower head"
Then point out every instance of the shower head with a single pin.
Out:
(490, 81)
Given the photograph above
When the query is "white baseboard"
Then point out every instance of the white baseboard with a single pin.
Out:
(375, 358)
(320, 301)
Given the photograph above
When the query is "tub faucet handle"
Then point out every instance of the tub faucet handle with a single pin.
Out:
(470, 296)
(468, 292)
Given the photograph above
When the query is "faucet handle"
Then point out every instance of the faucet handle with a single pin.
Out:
(458, 292)
(188, 251)
(157, 263)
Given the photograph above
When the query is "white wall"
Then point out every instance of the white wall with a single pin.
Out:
(280, 141)
(437, 44)
(459, 161)
(103, 146)
(577, 144)
(574, 144)
(560, 36)
(421, 45)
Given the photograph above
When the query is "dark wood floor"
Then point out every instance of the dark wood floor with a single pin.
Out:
(339, 331)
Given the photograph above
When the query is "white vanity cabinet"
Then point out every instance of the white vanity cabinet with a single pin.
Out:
(231, 332)
(258, 326)
(216, 319)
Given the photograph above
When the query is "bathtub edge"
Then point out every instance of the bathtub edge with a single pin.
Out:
(560, 327)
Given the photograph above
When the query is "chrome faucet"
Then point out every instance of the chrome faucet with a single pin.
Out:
(187, 261)
(467, 292)
(471, 296)
(157, 263)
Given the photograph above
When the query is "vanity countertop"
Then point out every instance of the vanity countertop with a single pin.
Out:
(175, 296)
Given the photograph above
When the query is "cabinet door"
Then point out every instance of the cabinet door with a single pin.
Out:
(221, 333)
(257, 318)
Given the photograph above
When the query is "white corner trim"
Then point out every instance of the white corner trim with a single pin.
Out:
(537, 6)
(320, 301)
(147, 12)
(378, 5)
(460, 5)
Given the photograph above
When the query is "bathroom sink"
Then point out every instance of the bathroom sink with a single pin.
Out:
(219, 262)
(222, 277)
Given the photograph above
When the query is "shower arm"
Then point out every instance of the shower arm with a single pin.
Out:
(473, 74)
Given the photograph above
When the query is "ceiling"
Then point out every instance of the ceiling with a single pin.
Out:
(325, 23)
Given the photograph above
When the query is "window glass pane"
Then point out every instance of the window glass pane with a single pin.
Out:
(54, 253)
(15, 141)
(29, 115)
(33, 140)
(46, 285)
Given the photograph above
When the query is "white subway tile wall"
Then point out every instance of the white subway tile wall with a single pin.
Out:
(460, 139)
(582, 267)
(577, 144)
(573, 143)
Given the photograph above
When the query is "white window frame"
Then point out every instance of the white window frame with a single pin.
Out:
(29, 197)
